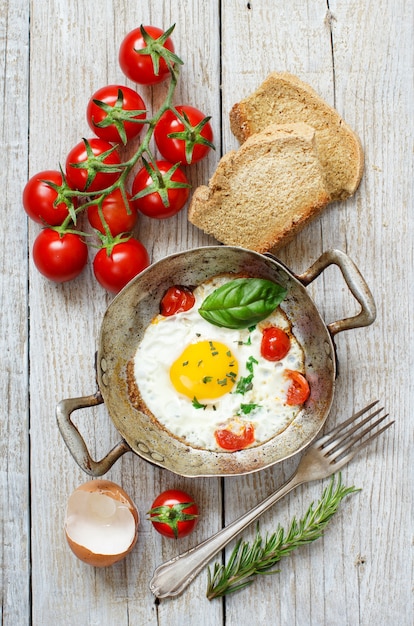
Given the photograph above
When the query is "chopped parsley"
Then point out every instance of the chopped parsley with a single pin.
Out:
(245, 409)
(197, 405)
(245, 382)
(250, 362)
(248, 341)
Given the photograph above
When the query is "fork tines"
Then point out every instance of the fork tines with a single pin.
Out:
(347, 434)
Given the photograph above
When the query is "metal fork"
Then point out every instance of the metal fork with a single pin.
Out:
(325, 457)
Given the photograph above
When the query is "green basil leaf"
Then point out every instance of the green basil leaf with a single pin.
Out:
(242, 302)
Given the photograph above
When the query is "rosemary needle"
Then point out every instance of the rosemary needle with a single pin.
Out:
(247, 560)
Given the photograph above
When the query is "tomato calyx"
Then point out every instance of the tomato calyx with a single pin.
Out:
(95, 164)
(108, 241)
(191, 135)
(162, 182)
(171, 515)
(156, 50)
(66, 227)
(64, 195)
(116, 116)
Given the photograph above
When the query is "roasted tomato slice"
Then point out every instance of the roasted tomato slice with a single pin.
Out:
(299, 390)
(275, 344)
(235, 436)
(176, 300)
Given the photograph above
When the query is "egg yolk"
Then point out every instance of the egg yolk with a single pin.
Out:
(205, 370)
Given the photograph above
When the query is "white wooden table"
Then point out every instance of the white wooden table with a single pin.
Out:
(359, 56)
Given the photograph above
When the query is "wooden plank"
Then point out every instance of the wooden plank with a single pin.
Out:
(379, 98)
(14, 411)
(333, 582)
(281, 36)
(81, 55)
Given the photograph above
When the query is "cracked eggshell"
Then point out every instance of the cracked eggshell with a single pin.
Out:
(101, 523)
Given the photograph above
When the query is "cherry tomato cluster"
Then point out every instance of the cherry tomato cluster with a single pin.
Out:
(98, 182)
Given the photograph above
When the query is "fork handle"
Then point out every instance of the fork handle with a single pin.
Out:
(172, 577)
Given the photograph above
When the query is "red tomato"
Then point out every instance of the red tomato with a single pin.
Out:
(59, 257)
(174, 513)
(236, 436)
(111, 113)
(118, 217)
(275, 344)
(127, 259)
(140, 67)
(39, 199)
(92, 154)
(195, 139)
(299, 390)
(159, 193)
(176, 299)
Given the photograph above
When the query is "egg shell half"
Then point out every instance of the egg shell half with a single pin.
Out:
(79, 519)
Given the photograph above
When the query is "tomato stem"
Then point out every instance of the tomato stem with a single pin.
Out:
(97, 197)
(94, 164)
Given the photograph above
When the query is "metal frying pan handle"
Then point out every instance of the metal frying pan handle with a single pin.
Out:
(356, 284)
(75, 441)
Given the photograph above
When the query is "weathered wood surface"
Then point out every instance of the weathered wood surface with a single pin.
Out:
(359, 57)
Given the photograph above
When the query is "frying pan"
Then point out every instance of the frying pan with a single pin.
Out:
(133, 308)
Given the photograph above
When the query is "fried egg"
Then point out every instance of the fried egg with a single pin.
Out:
(196, 378)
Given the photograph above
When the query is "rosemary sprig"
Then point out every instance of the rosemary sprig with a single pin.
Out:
(248, 560)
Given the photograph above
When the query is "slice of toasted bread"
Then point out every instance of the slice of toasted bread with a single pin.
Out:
(283, 98)
(261, 195)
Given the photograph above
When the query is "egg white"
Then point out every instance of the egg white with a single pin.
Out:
(164, 341)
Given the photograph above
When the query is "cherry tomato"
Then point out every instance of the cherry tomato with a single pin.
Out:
(194, 142)
(140, 67)
(174, 513)
(111, 111)
(299, 390)
(152, 204)
(275, 344)
(127, 259)
(236, 436)
(89, 177)
(39, 199)
(59, 257)
(176, 299)
(118, 217)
